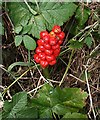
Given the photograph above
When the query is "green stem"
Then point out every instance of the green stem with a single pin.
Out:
(29, 59)
(31, 10)
(68, 66)
(16, 80)
(46, 73)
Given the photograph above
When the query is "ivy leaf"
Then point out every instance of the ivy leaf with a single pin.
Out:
(75, 44)
(29, 42)
(18, 40)
(18, 102)
(88, 41)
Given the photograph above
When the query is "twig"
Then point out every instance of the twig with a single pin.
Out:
(83, 82)
(88, 86)
(36, 88)
(90, 97)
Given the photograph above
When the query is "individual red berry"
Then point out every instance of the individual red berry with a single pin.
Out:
(50, 58)
(42, 56)
(60, 42)
(57, 52)
(36, 58)
(53, 41)
(52, 62)
(56, 29)
(46, 38)
(61, 35)
(43, 33)
(49, 52)
(52, 34)
(40, 42)
(47, 46)
(41, 48)
(38, 50)
(57, 46)
(44, 63)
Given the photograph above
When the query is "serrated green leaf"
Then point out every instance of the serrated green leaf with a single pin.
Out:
(25, 19)
(18, 29)
(18, 102)
(27, 113)
(29, 42)
(88, 41)
(75, 44)
(46, 113)
(59, 100)
(18, 64)
(57, 13)
(75, 116)
(26, 28)
(38, 26)
(75, 97)
(17, 11)
(49, 14)
(18, 40)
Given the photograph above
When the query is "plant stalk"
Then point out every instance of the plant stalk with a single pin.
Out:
(46, 73)
(68, 66)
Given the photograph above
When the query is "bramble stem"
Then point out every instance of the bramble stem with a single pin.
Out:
(68, 66)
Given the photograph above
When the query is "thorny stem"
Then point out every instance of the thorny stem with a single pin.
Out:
(68, 66)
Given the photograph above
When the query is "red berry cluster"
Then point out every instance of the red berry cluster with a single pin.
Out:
(49, 46)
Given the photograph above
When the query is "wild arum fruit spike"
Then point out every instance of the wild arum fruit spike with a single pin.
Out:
(49, 46)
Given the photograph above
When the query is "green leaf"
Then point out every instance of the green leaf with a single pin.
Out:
(38, 26)
(82, 15)
(18, 102)
(75, 44)
(17, 11)
(75, 97)
(26, 28)
(75, 116)
(46, 113)
(18, 29)
(18, 64)
(49, 14)
(29, 42)
(59, 101)
(27, 113)
(18, 40)
(88, 41)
